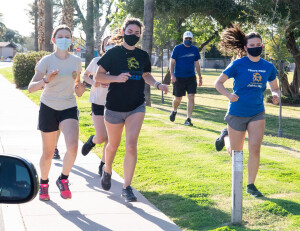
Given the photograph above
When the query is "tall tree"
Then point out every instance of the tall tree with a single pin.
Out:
(2, 26)
(147, 39)
(89, 31)
(68, 13)
(41, 24)
(48, 14)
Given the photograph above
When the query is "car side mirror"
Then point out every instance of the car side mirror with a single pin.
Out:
(18, 180)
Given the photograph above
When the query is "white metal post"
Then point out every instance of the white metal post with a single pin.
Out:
(237, 187)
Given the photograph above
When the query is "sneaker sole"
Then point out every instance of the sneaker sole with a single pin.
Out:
(128, 201)
(48, 199)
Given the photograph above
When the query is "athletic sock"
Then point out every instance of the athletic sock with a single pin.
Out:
(44, 181)
(63, 177)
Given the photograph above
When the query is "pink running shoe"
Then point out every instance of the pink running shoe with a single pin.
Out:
(44, 196)
(63, 186)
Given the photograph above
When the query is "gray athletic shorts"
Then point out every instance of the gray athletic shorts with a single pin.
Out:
(115, 117)
(241, 123)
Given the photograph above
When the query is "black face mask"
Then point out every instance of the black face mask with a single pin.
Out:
(255, 51)
(131, 40)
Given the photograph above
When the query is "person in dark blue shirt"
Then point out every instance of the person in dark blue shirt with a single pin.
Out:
(185, 57)
(246, 110)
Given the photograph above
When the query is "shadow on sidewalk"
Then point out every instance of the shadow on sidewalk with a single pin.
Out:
(78, 219)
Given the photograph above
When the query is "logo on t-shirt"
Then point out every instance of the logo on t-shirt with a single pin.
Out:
(256, 77)
(74, 74)
(132, 63)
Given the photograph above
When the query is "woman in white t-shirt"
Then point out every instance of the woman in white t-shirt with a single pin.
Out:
(59, 75)
(97, 98)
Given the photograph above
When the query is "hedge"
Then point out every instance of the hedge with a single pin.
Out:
(24, 65)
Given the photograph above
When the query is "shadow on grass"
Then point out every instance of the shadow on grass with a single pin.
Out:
(290, 206)
(290, 126)
(190, 215)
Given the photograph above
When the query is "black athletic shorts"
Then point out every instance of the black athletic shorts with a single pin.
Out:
(49, 118)
(98, 109)
(183, 85)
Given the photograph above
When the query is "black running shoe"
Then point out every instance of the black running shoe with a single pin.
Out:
(56, 154)
(87, 147)
(128, 194)
(188, 122)
(220, 143)
(100, 171)
(253, 191)
(172, 116)
(106, 180)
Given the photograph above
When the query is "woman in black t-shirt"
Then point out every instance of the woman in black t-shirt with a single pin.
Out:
(129, 68)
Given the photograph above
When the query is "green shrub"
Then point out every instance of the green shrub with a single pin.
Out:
(24, 65)
(285, 100)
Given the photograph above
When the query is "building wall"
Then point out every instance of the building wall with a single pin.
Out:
(6, 52)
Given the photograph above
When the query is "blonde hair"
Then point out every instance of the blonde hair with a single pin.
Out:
(60, 27)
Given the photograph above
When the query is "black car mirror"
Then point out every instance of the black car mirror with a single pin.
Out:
(18, 180)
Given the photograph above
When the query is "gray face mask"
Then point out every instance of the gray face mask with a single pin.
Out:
(106, 48)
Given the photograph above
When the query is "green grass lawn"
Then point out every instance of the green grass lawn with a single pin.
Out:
(180, 172)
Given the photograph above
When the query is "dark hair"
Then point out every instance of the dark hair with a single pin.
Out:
(118, 39)
(60, 27)
(234, 39)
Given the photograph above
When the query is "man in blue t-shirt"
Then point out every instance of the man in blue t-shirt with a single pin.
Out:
(185, 57)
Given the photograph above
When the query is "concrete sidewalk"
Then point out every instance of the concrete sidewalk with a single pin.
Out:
(91, 208)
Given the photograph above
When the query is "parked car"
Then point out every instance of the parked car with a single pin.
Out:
(18, 180)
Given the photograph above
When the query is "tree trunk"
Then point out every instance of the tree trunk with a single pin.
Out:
(36, 31)
(292, 47)
(48, 25)
(147, 39)
(41, 24)
(89, 32)
(68, 13)
(284, 82)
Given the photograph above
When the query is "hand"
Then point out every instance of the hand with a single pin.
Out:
(200, 82)
(80, 89)
(233, 98)
(275, 99)
(123, 77)
(173, 78)
(164, 88)
(52, 75)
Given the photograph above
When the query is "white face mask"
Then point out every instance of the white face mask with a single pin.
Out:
(63, 43)
(106, 48)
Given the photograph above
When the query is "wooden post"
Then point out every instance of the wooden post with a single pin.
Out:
(237, 187)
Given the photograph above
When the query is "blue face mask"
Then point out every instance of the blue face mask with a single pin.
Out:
(106, 48)
(255, 51)
(187, 42)
(63, 43)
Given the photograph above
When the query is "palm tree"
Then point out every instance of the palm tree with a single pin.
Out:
(2, 26)
(68, 13)
(48, 15)
(89, 32)
(41, 24)
(147, 39)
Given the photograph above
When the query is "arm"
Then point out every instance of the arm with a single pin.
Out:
(219, 85)
(172, 67)
(198, 69)
(102, 77)
(152, 82)
(38, 82)
(275, 91)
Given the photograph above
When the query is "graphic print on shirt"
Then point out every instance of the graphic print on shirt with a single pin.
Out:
(256, 78)
(133, 65)
(74, 74)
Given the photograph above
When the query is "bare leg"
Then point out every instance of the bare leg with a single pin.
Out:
(133, 125)
(101, 134)
(49, 139)
(236, 140)
(114, 132)
(191, 104)
(255, 136)
(57, 137)
(176, 102)
(70, 129)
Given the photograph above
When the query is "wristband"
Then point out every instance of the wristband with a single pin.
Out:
(45, 81)
(156, 84)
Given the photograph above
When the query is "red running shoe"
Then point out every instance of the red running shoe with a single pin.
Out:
(63, 186)
(44, 196)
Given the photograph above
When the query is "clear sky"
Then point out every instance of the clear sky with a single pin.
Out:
(15, 15)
